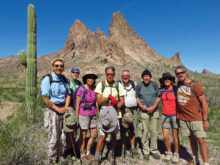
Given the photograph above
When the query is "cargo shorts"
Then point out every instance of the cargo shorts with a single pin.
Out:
(192, 128)
(87, 122)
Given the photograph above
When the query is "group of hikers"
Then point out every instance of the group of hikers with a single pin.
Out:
(123, 106)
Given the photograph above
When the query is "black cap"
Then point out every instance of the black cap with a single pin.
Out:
(146, 72)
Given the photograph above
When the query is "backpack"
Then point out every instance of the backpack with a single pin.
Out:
(131, 82)
(83, 98)
(55, 81)
(141, 84)
(174, 91)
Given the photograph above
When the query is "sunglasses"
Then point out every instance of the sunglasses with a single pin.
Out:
(75, 72)
(61, 66)
(179, 73)
(110, 74)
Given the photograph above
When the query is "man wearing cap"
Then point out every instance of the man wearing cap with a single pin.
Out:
(56, 95)
(110, 96)
(192, 112)
(74, 82)
(129, 119)
(148, 98)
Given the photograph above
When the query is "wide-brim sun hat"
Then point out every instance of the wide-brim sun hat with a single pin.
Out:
(128, 118)
(89, 74)
(108, 119)
(165, 76)
(69, 120)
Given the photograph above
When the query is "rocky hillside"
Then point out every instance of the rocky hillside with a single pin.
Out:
(94, 50)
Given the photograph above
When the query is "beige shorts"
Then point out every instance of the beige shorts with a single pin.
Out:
(87, 122)
(192, 128)
(169, 123)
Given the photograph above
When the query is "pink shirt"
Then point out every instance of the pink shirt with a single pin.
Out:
(90, 99)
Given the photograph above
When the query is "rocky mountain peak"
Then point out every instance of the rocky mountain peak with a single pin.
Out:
(126, 37)
(176, 59)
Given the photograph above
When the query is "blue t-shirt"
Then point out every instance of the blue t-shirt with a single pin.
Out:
(57, 91)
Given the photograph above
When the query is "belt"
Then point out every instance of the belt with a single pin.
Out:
(60, 104)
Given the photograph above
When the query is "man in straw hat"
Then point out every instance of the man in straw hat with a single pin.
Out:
(110, 96)
(192, 112)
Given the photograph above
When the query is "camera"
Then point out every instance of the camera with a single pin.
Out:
(87, 107)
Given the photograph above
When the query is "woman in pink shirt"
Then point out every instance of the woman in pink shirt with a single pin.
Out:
(169, 122)
(86, 113)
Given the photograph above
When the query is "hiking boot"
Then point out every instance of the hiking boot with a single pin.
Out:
(53, 162)
(175, 159)
(85, 159)
(112, 158)
(134, 152)
(91, 157)
(155, 155)
(191, 163)
(96, 162)
(168, 156)
(146, 156)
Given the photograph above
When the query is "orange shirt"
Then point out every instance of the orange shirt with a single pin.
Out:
(168, 102)
(188, 106)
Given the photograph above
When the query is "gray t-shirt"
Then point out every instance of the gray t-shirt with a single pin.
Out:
(147, 93)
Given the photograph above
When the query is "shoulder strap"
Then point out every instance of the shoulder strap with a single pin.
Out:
(132, 84)
(194, 92)
(154, 85)
(83, 98)
(49, 76)
(103, 86)
(139, 86)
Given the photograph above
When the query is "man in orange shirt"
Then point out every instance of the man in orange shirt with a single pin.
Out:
(193, 118)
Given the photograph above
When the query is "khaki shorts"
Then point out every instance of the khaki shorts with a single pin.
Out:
(192, 128)
(87, 122)
(168, 123)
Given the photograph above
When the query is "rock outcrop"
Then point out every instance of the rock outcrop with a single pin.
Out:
(94, 50)
(176, 59)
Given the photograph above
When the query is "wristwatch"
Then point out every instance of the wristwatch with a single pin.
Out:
(205, 119)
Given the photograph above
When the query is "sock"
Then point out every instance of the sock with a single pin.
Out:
(205, 163)
(97, 153)
(195, 158)
(88, 152)
(81, 155)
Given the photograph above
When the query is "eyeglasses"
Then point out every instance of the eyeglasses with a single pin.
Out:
(180, 73)
(75, 72)
(109, 74)
(124, 76)
(61, 66)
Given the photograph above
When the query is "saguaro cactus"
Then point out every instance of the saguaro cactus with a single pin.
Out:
(30, 62)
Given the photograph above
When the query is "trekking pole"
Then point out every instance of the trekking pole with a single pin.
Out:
(72, 141)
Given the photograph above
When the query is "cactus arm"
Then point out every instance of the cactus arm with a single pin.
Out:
(22, 58)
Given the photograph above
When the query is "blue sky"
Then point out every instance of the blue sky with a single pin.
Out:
(191, 27)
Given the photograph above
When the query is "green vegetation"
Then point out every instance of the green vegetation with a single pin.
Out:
(23, 142)
(13, 94)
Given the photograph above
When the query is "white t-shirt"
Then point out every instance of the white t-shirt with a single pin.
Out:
(130, 98)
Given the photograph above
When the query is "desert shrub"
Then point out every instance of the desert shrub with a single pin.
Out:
(15, 94)
(23, 141)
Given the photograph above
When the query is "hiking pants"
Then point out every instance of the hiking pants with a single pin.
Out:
(149, 124)
(56, 136)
